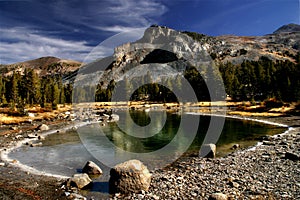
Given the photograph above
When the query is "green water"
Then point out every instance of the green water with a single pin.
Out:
(66, 153)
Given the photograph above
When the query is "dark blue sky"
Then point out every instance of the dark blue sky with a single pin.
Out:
(70, 29)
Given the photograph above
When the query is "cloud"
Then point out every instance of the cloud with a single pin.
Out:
(106, 15)
(19, 44)
(69, 29)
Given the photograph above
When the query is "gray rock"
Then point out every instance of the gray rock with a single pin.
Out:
(91, 168)
(113, 118)
(80, 181)
(218, 196)
(129, 177)
(43, 127)
(31, 135)
(208, 151)
(36, 144)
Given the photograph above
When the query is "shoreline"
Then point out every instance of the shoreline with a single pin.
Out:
(5, 157)
(61, 178)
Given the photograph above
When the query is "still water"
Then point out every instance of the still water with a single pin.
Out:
(137, 133)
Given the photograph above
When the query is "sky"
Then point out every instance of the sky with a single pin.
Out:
(70, 29)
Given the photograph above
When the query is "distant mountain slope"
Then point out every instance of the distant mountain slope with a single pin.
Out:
(43, 66)
(288, 28)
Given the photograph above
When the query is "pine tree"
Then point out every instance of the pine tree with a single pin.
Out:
(54, 95)
(33, 88)
(13, 90)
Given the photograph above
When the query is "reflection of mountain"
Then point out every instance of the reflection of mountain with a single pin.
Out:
(143, 131)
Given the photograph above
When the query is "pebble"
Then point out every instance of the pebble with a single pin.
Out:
(268, 172)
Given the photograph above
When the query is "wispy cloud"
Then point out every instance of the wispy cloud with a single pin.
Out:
(69, 29)
(113, 16)
(19, 44)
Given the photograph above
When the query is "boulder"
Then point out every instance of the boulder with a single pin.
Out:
(218, 196)
(129, 177)
(208, 151)
(80, 181)
(91, 168)
(43, 127)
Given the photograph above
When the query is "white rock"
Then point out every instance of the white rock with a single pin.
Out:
(208, 151)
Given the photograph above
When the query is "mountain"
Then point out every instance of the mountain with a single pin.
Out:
(163, 52)
(288, 29)
(167, 52)
(43, 66)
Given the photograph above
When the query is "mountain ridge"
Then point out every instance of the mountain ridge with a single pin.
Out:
(282, 44)
(48, 65)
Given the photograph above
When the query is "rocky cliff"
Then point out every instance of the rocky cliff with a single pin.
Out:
(165, 52)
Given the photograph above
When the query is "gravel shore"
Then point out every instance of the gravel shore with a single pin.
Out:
(269, 171)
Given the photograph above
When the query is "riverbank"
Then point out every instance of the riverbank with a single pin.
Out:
(188, 178)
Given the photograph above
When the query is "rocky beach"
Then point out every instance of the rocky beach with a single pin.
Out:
(269, 170)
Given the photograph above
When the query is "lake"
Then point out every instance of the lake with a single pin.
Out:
(138, 133)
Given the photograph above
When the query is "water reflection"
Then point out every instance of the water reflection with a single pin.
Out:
(64, 153)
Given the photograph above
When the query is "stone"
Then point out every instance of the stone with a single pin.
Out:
(31, 115)
(40, 137)
(91, 168)
(129, 177)
(291, 156)
(235, 146)
(43, 127)
(14, 128)
(32, 135)
(208, 151)
(113, 118)
(36, 144)
(80, 181)
(218, 196)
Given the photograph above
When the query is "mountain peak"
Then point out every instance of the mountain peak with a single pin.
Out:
(288, 28)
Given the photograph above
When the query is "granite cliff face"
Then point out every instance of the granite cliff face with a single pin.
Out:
(163, 52)
(160, 53)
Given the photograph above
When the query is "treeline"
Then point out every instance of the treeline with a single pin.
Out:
(168, 89)
(263, 79)
(19, 90)
(250, 80)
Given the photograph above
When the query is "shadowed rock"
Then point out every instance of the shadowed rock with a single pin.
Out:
(208, 151)
(91, 168)
(80, 181)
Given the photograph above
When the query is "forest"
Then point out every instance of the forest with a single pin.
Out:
(248, 81)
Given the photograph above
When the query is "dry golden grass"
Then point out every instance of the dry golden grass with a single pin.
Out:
(254, 114)
(39, 113)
